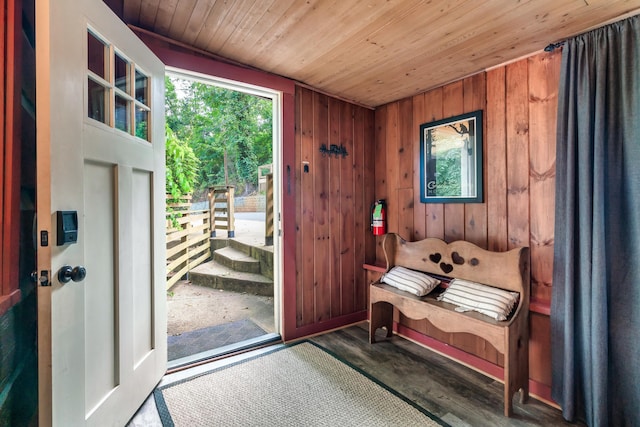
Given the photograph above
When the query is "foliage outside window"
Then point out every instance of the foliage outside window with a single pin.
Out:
(230, 132)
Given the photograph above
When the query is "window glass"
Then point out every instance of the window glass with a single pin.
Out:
(141, 88)
(97, 55)
(121, 71)
(117, 91)
(142, 123)
(98, 101)
(122, 114)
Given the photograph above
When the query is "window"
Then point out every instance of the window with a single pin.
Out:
(117, 90)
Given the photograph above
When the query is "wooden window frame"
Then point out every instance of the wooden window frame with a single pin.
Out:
(10, 96)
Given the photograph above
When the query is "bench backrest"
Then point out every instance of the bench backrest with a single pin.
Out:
(464, 260)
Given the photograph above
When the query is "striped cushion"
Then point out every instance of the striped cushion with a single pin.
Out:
(411, 281)
(493, 302)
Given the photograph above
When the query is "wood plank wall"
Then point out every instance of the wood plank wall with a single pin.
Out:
(520, 103)
(332, 214)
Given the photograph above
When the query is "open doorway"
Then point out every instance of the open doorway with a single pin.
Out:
(230, 300)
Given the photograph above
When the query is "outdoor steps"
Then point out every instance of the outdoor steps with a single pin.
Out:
(217, 276)
(236, 266)
(236, 260)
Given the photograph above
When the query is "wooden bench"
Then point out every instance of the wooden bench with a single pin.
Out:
(506, 270)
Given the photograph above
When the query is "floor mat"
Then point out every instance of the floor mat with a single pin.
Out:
(212, 337)
(294, 385)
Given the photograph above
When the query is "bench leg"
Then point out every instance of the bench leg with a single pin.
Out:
(381, 315)
(516, 370)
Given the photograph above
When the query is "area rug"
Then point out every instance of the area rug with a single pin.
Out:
(212, 337)
(294, 385)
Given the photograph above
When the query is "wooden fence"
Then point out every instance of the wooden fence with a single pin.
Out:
(187, 238)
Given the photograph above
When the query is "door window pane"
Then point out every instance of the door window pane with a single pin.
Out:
(142, 123)
(98, 101)
(122, 114)
(118, 92)
(121, 71)
(141, 88)
(97, 55)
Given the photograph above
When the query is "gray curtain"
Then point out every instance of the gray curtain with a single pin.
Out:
(595, 309)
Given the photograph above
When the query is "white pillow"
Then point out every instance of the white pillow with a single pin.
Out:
(411, 281)
(493, 302)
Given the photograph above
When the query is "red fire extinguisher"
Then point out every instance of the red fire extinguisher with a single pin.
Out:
(379, 218)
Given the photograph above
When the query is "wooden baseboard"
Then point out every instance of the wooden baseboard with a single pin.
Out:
(537, 390)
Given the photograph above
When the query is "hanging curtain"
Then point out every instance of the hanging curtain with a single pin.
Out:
(595, 310)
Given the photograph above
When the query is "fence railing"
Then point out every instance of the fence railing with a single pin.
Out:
(187, 238)
(221, 200)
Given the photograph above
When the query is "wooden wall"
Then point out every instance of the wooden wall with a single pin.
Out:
(519, 102)
(333, 197)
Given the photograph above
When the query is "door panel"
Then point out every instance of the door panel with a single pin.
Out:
(107, 347)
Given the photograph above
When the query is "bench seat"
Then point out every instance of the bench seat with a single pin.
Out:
(505, 270)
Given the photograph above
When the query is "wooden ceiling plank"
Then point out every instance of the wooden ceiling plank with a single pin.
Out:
(166, 11)
(377, 43)
(470, 58)
(372, 51)
(234, 20)
(131, 11)
(275, 40)
(181, 19)
(258, 19)
(148, 12)
(314, 34)
(197, 22)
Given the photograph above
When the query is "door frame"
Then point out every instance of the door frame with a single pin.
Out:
(277, 141)
(176, 56)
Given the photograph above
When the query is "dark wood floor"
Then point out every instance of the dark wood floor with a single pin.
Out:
(458, 395)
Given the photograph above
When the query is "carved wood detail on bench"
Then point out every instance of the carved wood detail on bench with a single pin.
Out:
(506, 270)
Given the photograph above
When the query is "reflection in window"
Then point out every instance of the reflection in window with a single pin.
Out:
(118, 98)
(142, 123)
(98, 101)
(97, 56)
(122, 114)
(121, 71)
(141, 88)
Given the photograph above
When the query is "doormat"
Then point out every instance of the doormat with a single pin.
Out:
(294, 385)
(212, 337)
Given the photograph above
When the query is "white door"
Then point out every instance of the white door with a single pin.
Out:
(100, 133)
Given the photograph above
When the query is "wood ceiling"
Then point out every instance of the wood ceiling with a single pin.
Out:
(371, 51)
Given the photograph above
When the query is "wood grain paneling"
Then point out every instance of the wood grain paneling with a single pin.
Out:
(495, 146)
(519, 102)
(434, 211)
(374, 51)
(543, 106)
(334, 194)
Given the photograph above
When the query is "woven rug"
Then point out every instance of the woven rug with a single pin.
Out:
(296, 385)
(212, 337)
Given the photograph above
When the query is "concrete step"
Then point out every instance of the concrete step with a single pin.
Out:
(236, 260)
(264, 254)
(217, 276)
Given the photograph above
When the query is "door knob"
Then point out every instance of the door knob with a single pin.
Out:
(78, 273)
(66, 273)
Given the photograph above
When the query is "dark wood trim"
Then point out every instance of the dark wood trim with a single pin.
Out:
(179, 56)
(320, 327)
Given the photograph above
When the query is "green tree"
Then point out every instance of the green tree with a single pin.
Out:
(229, 131)
(182, 166)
